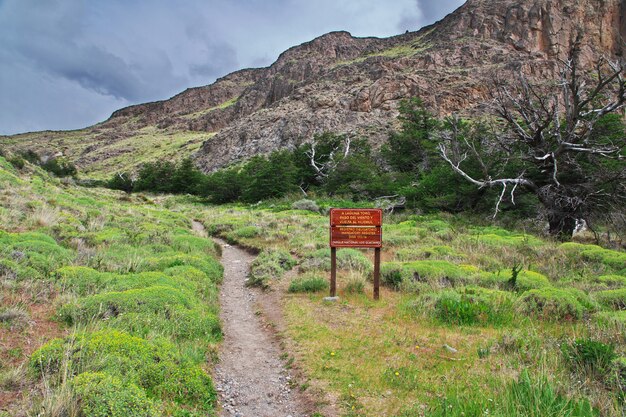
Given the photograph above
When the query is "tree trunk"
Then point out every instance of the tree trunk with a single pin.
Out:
(562, 226)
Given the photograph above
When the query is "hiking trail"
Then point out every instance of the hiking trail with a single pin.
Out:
(251, 379)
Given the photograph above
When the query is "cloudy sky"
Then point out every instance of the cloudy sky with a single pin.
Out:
(67, 64)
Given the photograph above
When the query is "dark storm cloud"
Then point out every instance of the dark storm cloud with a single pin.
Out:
(70, 63)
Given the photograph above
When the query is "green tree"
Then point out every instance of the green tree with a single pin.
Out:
(221, 187)
(155, 177)
(186, 178)
(121, 181)
(268, 177)
(413, 148)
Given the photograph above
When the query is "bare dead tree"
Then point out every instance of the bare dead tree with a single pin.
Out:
(326, 151)
(551, 143)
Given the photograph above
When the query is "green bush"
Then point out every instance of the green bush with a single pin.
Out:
(391, 274)
(81, 279)
(102, 395)
(431, 252)
(246, 232)
(150, 300)
(612, 280)
(60, 167)
(611, 258)
(154, 366)
(353, 260)
(529, 280)
(305, 204)
(308, 283)
(212, 268)
(268, 266)
(589, 357)
(438, 273)
(177, 323)
(473, 306)
(614, 299)
(551, 304)
(122, 181)
(205, 286)
(17, 161)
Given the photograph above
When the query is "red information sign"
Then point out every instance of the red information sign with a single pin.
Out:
(356, 228)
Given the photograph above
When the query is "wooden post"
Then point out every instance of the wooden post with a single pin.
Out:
(376, 273)
(333, 272)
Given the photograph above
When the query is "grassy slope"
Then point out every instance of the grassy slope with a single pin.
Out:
(99, 157)
(388, 358)
(130, 289)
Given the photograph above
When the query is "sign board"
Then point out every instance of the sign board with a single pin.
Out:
(356, 228)
(356, 217)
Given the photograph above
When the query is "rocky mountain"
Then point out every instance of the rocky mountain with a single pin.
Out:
(351, 85)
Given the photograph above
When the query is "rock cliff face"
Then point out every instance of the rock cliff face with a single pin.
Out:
(354, 85)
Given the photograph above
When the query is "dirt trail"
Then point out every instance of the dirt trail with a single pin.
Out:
(251, 379)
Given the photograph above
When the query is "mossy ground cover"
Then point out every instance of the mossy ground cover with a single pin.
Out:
(133, 288)
(471, 320)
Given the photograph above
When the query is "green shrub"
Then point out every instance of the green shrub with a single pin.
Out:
(473, 306)
(177, 323)
(589, 357)
(431, 252)
(353, 260)
(154, 366)
(611, 258)
(612, 280)
(246, 232)
(213, 269)
(305, 204)
(102, 395)
(150, 300)
(269, 265)
(614, 299)
(316, 260)
(81, 279)
(12, 270)
(17, 161)
(347, 259)
(530, 280)
(308, 283)
(439, 273)
(391, 274)
(205, 286)
(60, 167)
(550, 304)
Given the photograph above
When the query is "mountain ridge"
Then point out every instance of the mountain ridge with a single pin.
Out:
(349, 85)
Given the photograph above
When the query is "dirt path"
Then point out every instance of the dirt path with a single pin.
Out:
(251, 379)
